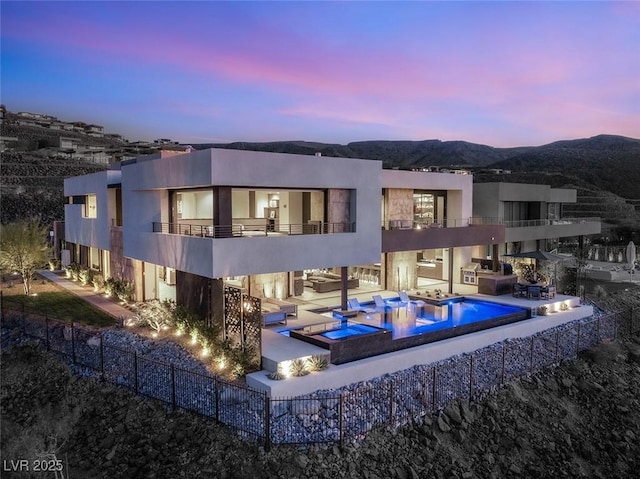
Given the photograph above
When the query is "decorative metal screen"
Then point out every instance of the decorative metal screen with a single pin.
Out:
(243, 321)
(233, 314)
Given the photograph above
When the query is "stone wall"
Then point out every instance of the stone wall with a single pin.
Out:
(398, 205)
(269, 285)
(401, 271)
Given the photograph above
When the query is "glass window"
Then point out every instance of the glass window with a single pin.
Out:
(91, 207)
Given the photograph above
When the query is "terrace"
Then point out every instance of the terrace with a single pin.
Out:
(250, 231)
(280, 350)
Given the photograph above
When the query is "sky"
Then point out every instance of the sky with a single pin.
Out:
(497, 73)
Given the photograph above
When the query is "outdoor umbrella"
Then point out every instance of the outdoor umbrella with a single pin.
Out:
(631, 254)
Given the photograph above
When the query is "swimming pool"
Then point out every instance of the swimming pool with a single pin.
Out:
(452, 313)
(398, 328)
(349, 330)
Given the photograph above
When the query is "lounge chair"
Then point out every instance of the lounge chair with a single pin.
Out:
(405, 300)
(355, 305)
(381, 304)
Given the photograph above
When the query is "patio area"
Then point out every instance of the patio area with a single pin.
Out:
(278, 348)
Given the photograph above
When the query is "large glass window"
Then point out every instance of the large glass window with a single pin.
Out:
(429, 206)
(192, 205)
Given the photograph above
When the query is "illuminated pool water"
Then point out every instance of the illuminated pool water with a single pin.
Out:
(349, 330)
(400, 327)
(404, 322)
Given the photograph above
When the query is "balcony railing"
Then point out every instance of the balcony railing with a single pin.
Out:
(531, 223)
(443, 223)
(547, 222)
(238, 230)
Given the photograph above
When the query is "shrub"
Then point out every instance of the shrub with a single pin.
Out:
(124, 290)
(98, 282)
(154, 314)
(54, 264)
(72, 271)
(85, 276)
(110, 286)
(317, 363)
(542, 310)
(276, 375)
(298, 368)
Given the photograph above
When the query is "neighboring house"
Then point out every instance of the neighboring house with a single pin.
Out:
(181, 224)
(532, 215)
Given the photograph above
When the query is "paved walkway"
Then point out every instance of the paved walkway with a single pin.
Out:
(88, 295)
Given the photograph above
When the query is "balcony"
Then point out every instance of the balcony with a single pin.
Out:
(545, 228)
(242, 231)
(398, 235)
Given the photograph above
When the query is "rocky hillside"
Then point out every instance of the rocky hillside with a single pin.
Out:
(579, 420)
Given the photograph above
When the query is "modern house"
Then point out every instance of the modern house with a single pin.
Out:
(532, 215)
(181, 225)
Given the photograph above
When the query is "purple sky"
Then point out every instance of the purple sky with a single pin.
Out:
(497, 73)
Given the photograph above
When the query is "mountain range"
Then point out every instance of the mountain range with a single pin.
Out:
(605, 169)
(607, 162)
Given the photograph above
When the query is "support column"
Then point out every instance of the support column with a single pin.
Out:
(450, 282)
(494, 257)
(343, 287)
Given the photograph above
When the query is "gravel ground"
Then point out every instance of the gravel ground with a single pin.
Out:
(581, 419)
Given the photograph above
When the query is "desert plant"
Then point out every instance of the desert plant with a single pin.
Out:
(124, 290)
(599, 292)
(72, 270)
(298, 368)
(317, 363)
(85, 276)
(54, 264)
(154, 314)
(110, 286)
(276, 375)
(243, 360)
(98, 282)
(542, 310)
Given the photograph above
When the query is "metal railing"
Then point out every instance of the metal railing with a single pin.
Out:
(392, 401)
(530, 223)
(238, 230)
(441, 223)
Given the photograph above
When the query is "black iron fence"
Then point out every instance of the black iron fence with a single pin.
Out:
(318, 418)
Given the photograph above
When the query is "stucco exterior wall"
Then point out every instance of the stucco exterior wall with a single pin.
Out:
(92, 232)
(353, 186)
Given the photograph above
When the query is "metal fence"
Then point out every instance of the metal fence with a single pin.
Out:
(392, 401)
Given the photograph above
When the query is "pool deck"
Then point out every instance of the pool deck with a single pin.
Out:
(337, 376)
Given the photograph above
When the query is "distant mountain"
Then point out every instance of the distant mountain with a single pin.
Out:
(605, 169)
(606, 162)
(403, 154)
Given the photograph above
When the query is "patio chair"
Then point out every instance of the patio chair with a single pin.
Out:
(519, 290)
(548, 292)
(534, 292)
(355, 305)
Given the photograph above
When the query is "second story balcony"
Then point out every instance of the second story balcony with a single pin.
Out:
(550, 228)
(252, 231)
(399, 235)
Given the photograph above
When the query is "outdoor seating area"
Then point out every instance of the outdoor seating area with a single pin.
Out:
(326, 282)
(533, 291)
